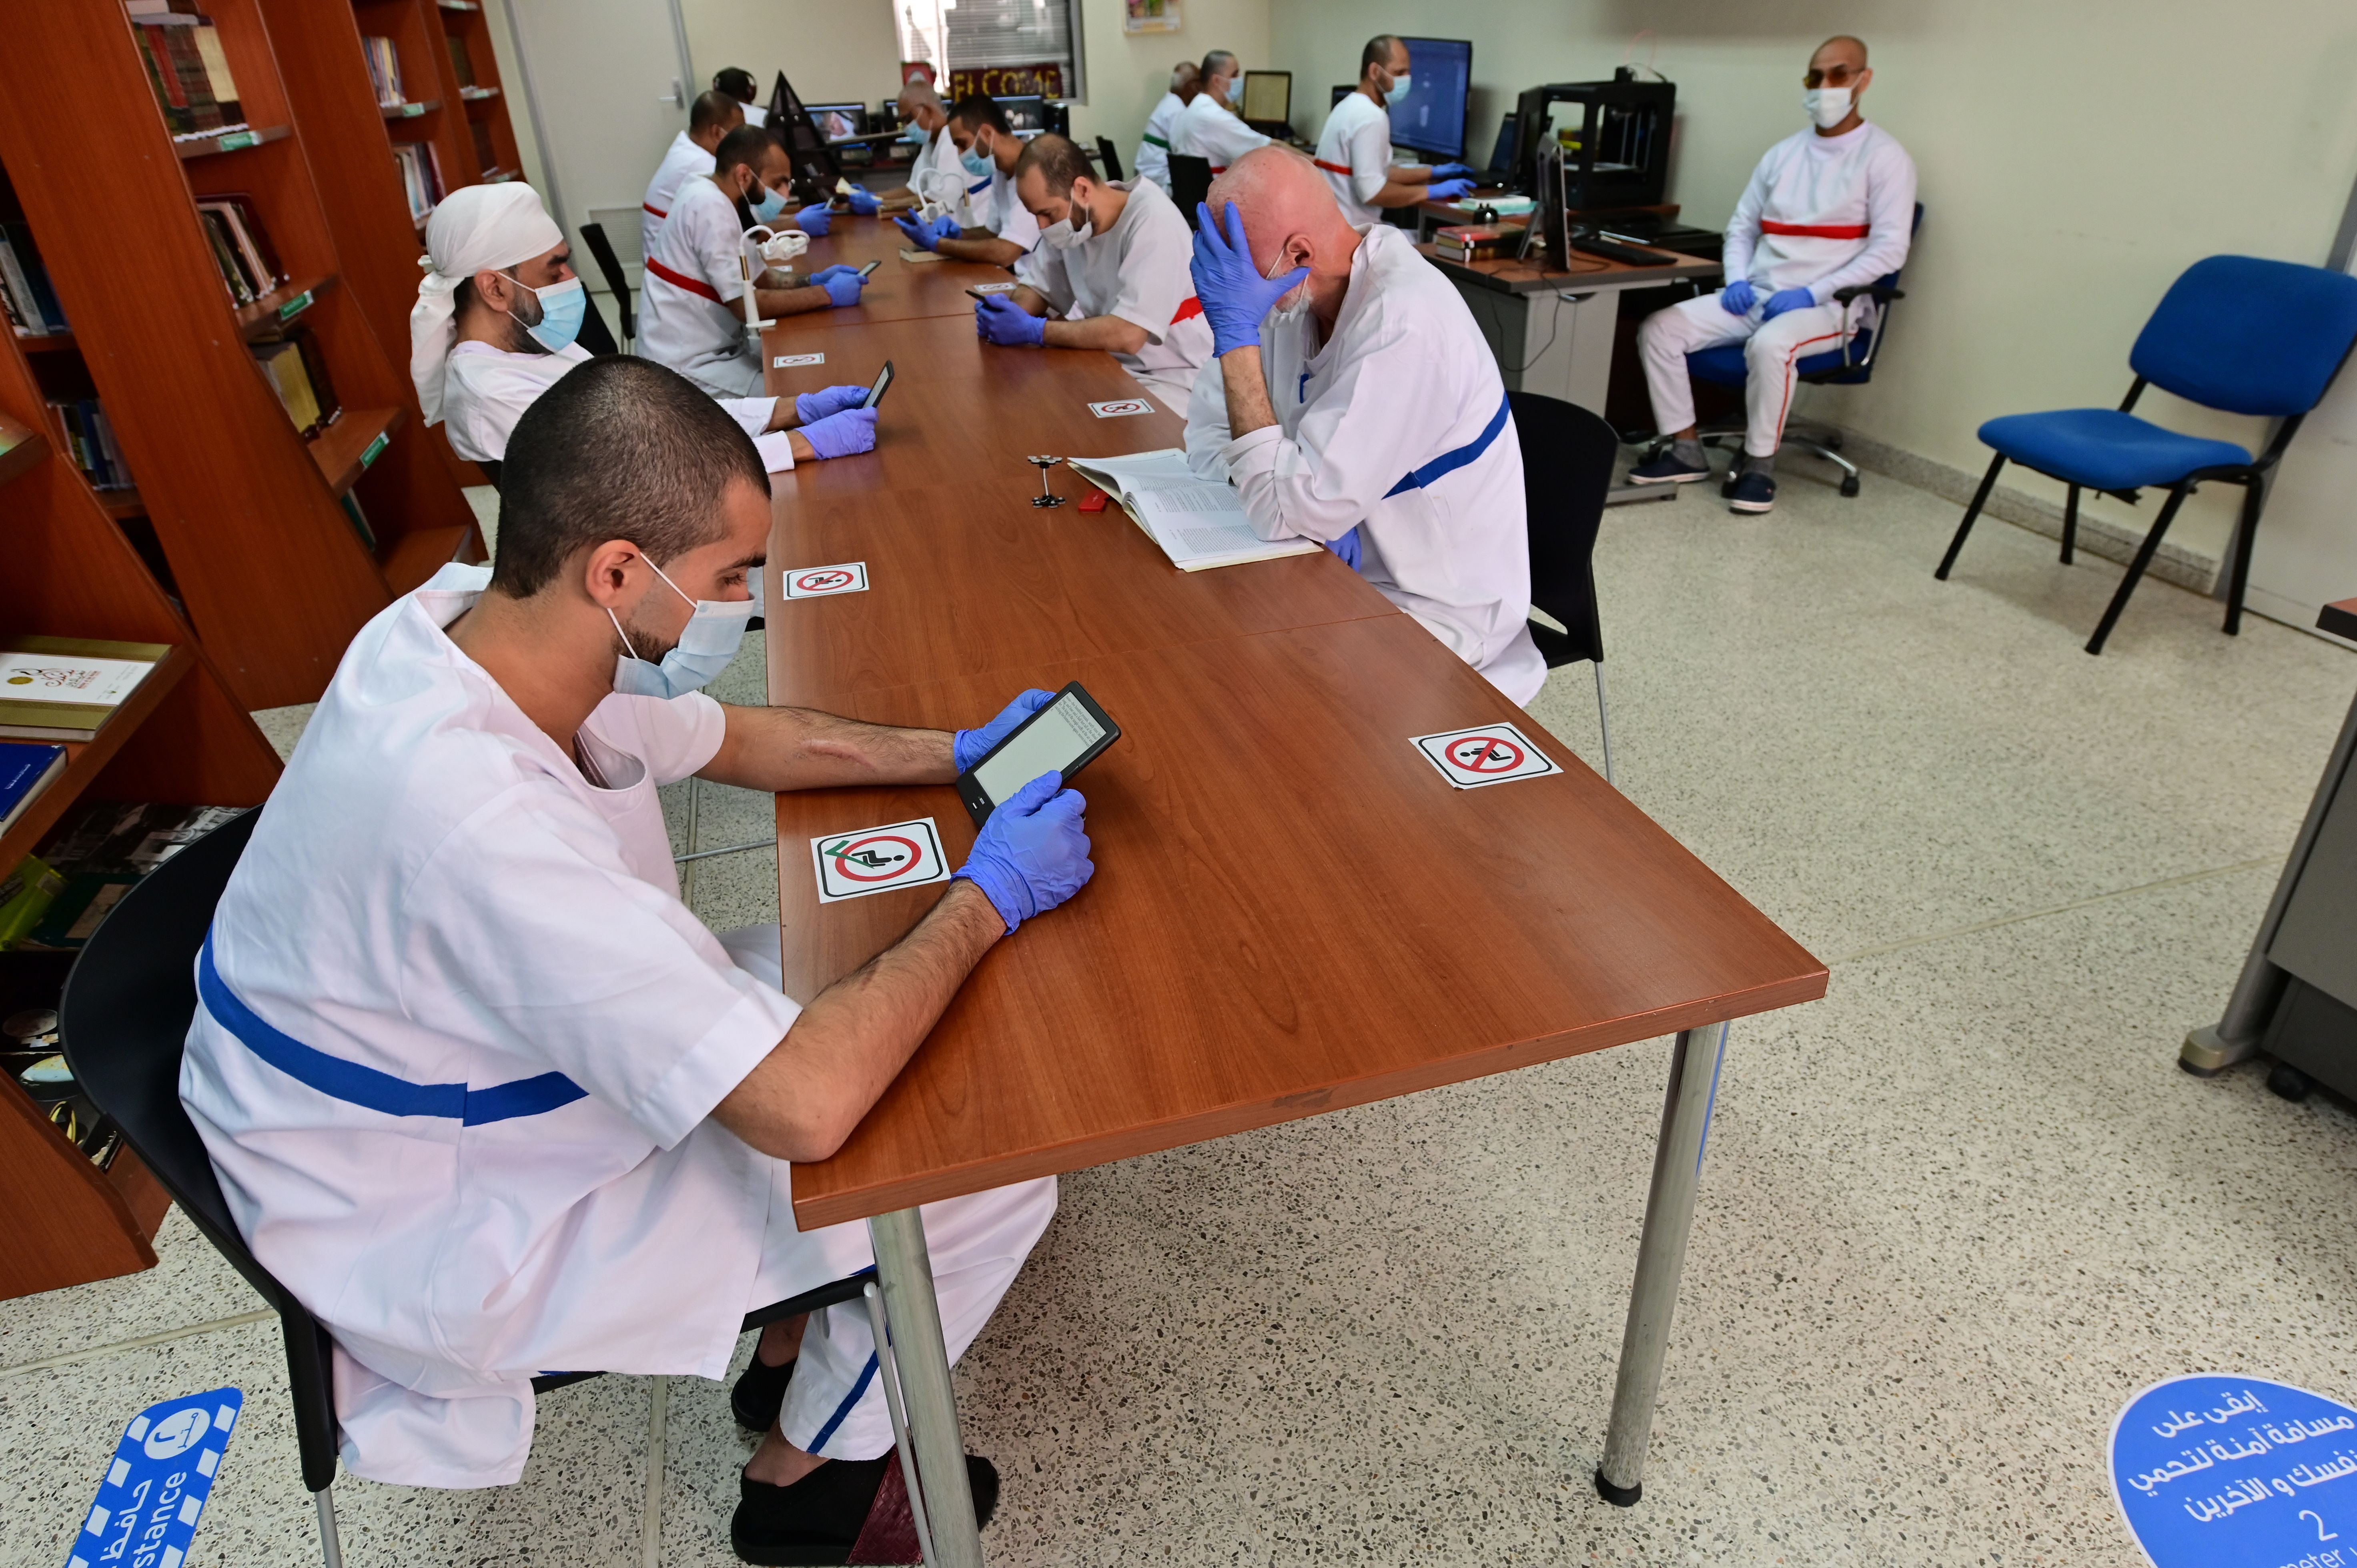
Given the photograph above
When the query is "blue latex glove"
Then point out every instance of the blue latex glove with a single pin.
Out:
(825, 275)
(843, 290)
(812, 407)
(1235, 296)
(1033, 854)
(1007, 324)
(861, 202)
(815, 220)
(925, 235)
(1450, 171)
(842, 434)
(1785, 299)
(1347, 547)
(1738, 297)
(969, 747)
(1448, 190)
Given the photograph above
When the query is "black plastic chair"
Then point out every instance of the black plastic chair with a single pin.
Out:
(595, 336)
(617, 282)
(1190, 183)
(124, 1019)
(1111, 158)
(1568, 458)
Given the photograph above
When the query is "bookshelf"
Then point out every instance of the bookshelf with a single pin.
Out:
(182, 738)
(243, 522)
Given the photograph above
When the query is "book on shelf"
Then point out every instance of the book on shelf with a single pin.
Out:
(27, 891)
(421, 178)
(91, 444)
(486, 157)
(65, 688)
(242, 249)
(25, 770)
(32, 305)
(461, 59)
(358, 519)
(385, 70)
(101, 853)
(188, 71)
(297, 372)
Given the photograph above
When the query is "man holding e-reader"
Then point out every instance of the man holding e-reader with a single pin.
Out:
(1060, 732)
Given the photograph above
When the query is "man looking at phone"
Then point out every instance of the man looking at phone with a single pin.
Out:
(691, 315)
(485, 1093)
(1116, 252)
(494, 325)
(988, 150)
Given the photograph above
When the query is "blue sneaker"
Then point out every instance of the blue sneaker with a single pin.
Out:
(1667, 470)
(1753, 492)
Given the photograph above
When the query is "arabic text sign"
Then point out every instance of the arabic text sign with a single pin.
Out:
(155, 1488)
(2223, 1472)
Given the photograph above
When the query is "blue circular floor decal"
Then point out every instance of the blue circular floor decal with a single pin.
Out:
(2215, 1472)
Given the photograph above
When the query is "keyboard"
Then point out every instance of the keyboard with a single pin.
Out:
(1629, 255)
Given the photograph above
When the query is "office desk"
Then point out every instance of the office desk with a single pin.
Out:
(1292, 912)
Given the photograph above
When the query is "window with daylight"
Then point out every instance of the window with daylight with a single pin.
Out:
(1008, 48)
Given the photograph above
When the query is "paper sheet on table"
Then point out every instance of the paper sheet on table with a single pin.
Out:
(1199, 523)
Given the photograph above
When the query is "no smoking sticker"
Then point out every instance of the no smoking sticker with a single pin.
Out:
(794, 361)
(819, 582)
(1493, 754)
(1120, 407)
(877, 860)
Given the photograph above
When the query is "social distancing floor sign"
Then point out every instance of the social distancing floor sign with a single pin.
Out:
(822, 582)
(1490, 754)
(877, 860)
(155, 1488)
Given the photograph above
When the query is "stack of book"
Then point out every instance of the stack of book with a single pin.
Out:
(297, 372)
(67, 688)
(24, 293)
(99, 854)
(385, 70)
(242, 249)
(1476, 242)
(90, 441)
(187, 67)
(421, 178)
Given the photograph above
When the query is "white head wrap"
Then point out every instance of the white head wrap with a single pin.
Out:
(478, 228)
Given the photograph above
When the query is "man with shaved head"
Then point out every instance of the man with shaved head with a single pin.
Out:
(1829, 207)
(712, 116)
(1209, 128)
(937, 173)
(1352, 401)
(1154, 146)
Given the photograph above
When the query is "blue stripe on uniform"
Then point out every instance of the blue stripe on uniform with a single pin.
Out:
(977, 187)
(859, 1387)
(1449, 462)
(366, 1087)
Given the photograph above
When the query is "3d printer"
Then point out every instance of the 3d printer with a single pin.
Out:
(1615, 156)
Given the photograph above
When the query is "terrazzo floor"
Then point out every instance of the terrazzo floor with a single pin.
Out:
(1955, 1214)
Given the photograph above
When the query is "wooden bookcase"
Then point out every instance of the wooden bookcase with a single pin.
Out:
(244, 514)
(181, 737)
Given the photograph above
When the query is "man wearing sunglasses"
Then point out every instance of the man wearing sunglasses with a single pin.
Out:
(1830, 206)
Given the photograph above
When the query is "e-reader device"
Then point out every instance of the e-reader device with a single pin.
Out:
(1063, 736)
(869, 269)
(883, 384)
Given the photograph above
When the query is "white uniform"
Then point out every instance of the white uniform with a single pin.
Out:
(1398, 426)
(457, 1057)
(485, 390)
(755, 115)
(997, 209)
(1154, 146)
(690, 313)
(1821, 213)
(1208, 129)
(1355, 152)
(1139, 271)
(681, 161)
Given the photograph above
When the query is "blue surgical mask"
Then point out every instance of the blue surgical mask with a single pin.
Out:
(562, 307)
(1398, 88)
(766, 203)
(977, 162)
(707, 645)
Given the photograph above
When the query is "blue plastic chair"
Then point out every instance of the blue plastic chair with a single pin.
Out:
(1850, 365)
(2233, 333)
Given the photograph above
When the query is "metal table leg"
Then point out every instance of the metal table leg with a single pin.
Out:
(1661, 1259)
(905, 1272)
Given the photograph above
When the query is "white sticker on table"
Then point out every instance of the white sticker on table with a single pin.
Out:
(1488, 754)
(994, 288)
(1121, 407)
(795, 362)
(877, 860)
(821, 582)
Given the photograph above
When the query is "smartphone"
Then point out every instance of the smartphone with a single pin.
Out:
(883, 384)
(1063, 737)
(869, 269)
(985, 290)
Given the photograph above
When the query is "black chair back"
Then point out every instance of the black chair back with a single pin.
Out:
(1568, 458)
(595, 336)
(609, 268)
(1111, 158)
(490, 473)
(1190, 183)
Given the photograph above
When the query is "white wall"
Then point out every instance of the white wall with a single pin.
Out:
(831, 52)
(2073, 159)
(1128, 73)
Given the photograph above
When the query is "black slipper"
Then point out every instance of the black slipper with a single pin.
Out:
(759, 1394)
(845, 1511)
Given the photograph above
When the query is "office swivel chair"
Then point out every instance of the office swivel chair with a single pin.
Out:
(617, 282)
(1111, 158)
(1852, 365)
(1190, 183)
(124, 1018)
(2233, 333)
(1568, 458)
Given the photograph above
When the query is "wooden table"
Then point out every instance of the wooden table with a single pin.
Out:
(1292, 911)
(897, 290)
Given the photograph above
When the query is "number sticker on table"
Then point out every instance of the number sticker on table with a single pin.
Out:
(1121, 407)
(821, 582)
(2228, 1471)
(1492, 754)
(877, 860)
(796, 361)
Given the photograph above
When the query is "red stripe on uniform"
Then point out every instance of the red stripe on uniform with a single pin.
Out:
(1817, 230)
(1793, 356)
(681, 280)
(1188, 309)
(656, 210)
(1345, 170)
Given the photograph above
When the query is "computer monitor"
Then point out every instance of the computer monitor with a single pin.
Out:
(836, 121)
(1268, 100)
(1430, 117)
(1501, 170)
(1340, 93)
(1026, 115)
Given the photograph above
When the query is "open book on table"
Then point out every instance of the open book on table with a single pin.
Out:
(1198, 523)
